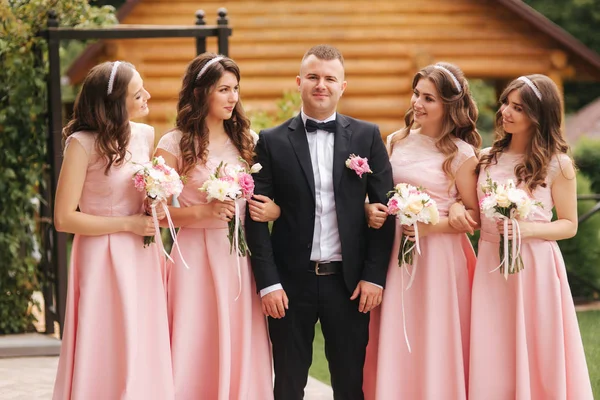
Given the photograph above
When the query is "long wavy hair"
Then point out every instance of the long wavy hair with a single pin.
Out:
(460, 113)
(193, 108)
(546, 140)
(104, 114)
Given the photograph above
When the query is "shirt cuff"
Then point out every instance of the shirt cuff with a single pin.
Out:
(374, 284)
(269, 289)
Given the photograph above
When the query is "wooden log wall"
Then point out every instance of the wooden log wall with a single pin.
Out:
(384, 43)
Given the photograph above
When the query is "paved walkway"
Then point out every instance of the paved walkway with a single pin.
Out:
(32, 378)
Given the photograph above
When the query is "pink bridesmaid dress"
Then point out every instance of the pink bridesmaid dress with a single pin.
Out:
(525, 340)
(220, 346)
(115, 339)
(436, 306)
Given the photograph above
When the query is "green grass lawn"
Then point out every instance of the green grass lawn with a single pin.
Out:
(589, 323)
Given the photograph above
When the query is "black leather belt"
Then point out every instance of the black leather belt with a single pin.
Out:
(329, 268)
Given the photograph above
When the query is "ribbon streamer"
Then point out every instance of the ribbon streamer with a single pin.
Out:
(515, 249)
(412, 275)
(157, 236)
(236, 243)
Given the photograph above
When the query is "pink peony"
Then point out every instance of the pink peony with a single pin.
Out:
(359, 165)
(139, 182)
(246, 182)
(393, 206)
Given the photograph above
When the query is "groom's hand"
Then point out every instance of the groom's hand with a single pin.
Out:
(370, 296)
(275, 303)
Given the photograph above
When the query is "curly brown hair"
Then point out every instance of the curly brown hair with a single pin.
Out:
(460, 112)
(192, 109)
(547, 139)
(104, 114)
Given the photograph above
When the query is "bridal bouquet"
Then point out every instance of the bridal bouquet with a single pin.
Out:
(510, 204)
(160, 182)
(410, 205)
(232, 182)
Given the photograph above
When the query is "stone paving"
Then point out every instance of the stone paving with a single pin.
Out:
(32, 378)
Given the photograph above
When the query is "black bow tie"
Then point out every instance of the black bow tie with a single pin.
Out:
(312, 126)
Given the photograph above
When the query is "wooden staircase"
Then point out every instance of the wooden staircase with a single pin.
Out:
(384, 43)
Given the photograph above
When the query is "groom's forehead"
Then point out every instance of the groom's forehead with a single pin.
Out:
(312, 65)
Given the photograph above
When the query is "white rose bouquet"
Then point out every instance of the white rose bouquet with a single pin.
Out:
(510, 204)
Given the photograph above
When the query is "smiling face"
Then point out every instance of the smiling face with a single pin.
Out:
(137, 97)
(321, 84)
(514, 117)
(427, 106)
(223, 97)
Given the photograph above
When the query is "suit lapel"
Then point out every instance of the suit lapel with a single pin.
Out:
(299, 142)
(341, 148)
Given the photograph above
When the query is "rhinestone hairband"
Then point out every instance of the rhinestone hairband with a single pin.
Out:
(111, 80)
(456, 83)
(208, 64)
(529, 83)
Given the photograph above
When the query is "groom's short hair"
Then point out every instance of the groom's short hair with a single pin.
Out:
(324, 52)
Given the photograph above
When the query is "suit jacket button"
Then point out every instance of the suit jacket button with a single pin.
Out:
(309, 245)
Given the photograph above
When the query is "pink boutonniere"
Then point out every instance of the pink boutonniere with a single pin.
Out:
(359, 165)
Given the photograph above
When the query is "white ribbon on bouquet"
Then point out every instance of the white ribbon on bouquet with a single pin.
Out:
(412, 275)
(236, 244)
(515, 249)
(157, 237)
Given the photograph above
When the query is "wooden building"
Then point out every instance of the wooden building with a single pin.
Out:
(384, 43)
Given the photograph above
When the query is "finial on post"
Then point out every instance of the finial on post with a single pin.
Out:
(222, 20)
(52, 19)
(200, 14)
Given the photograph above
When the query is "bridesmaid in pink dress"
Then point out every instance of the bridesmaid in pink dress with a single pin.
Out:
(115, 337)
(220, 346)
(440, 155)
(525, 341)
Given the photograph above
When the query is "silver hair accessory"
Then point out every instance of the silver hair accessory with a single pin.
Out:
(208, 64)
(529, 83)
(111, 80)
(456, 83)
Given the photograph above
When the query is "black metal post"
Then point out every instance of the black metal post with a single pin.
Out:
(46, 266)
(223, 32)
(200, 41)
(58, 239)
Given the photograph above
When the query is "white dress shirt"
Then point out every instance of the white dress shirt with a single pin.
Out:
(326, 245)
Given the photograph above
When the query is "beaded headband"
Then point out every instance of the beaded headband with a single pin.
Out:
(208, 64)
(456, 83)
(529, 83)
(111, 80)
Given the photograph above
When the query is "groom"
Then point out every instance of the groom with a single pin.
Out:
(321, 261)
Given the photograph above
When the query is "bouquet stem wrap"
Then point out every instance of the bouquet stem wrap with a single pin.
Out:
(511, 261)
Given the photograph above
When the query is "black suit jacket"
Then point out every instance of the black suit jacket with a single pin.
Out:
(287, 177)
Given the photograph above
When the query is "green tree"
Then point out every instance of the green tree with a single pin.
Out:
(23, 130)
(581, 18)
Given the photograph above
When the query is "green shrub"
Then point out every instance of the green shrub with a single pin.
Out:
(23, 132)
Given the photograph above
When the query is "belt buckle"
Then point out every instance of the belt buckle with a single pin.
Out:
(317, 269)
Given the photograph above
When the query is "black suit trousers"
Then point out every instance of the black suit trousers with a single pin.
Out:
(345, 330)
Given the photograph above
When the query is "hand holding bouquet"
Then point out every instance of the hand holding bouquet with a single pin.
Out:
(232, 182)
(510, 204)
(411, 205)
(160, 182)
